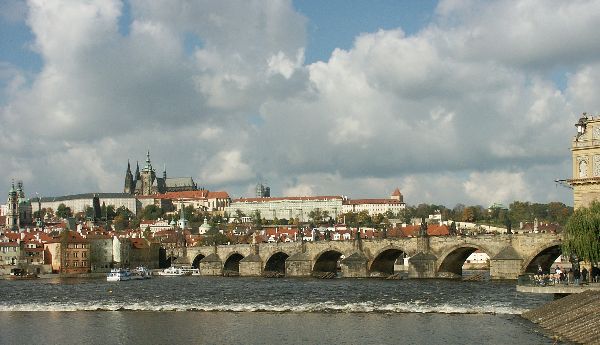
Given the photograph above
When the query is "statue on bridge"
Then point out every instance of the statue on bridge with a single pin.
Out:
(423, 229)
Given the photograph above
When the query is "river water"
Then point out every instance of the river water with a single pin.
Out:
(218, 310)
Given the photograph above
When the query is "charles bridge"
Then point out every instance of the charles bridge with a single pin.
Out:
(428, 256)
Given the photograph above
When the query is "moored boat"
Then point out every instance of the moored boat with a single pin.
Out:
(174, 272)
(20, 274)
(189, 270)
(118, 274)
(140, 273)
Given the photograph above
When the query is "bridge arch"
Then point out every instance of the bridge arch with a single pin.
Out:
(543, 257)
(196, 262)
(232, 264)
(276, 262)
(454, 258)
(327, 261)
(384, 260)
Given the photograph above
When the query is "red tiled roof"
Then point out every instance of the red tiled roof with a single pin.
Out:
(9, 244)
(188, 194)
(396, 192)
(432, 230)
(218, 195)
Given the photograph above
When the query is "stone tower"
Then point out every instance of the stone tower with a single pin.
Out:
(585, 149)
(129, 185)
(12, 212)
(148, 177)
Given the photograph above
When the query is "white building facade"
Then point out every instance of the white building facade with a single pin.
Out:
(287, 207)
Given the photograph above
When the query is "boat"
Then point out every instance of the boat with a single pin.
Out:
(174, 272)
(140, 273)
(191, 270)
(118, 274)
(20, 274)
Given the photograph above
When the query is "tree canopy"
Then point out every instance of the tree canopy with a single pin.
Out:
(582, 233)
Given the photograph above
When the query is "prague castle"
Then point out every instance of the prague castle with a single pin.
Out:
(585, 149)
(147, 183)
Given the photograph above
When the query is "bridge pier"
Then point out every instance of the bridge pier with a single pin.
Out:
(211, 265)
(298, 265)
(422, 265)
(355, 266)
(506, 264)
(251, 266)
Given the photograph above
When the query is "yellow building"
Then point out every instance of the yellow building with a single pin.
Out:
(586, 161)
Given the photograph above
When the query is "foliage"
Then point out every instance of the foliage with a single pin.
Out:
(63, 211)
(151, 212)
(582, 234)
(213, 237)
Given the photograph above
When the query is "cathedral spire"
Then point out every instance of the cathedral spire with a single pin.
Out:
(148, 166)
(137, 171)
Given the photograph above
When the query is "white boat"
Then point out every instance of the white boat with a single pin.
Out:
(140, 273)
(190, 270)
(173, 272)
(118, 274)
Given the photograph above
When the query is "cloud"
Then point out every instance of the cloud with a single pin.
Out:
(467, 110)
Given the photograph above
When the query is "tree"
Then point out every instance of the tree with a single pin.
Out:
(468, 215)
(63, 211)
(213, 237)
(151, 212)
(238, 216)
(582, 234)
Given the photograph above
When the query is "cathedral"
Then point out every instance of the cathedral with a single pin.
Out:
(145, 182)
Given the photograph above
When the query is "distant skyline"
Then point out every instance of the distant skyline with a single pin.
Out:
(457, 101)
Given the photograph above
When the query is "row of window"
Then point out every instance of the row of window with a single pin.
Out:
(9, 249)
(76, 254)
(77, 264)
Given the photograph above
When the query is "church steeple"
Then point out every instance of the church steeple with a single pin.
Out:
(128, 180)
(137, 171)
(148, 166)
(12, 214)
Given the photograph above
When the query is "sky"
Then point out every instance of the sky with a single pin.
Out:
(452, 101)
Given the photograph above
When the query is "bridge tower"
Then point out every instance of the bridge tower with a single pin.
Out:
(585, 149)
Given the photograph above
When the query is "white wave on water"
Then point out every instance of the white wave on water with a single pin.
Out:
(322, 307)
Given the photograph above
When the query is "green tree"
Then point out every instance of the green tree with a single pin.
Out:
(63, 211)
(582, 233)
(213, 237)
(151, 212)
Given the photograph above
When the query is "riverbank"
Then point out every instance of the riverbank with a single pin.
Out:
(573, 318)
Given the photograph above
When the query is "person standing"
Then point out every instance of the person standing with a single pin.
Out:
(576, 276)
(584, 276)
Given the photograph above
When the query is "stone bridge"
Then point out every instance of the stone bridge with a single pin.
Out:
(428, 257)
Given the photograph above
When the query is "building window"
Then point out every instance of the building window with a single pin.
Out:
(75, 263)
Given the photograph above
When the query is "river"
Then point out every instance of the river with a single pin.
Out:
(218, 310)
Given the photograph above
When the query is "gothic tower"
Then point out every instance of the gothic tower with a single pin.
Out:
(129, 186)
(148, 177)
(137, 176)
(12, 213)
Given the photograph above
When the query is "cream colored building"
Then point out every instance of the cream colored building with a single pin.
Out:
(394, 204)
(585, 148)
(287, 207)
